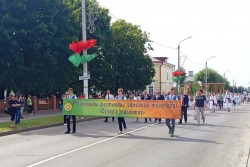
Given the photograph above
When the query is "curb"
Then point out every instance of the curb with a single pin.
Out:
(44, 127)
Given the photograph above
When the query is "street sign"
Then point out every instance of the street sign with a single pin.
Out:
(84, 77)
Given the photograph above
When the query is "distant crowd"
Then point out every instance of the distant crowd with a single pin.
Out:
(200, 102)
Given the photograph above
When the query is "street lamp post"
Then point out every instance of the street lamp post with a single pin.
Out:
(234, 83)
(224, 75)
(206, 67)
(179, 59)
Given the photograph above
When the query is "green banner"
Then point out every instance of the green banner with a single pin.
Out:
(123, 108)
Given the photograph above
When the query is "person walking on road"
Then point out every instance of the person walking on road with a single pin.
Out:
(109, 96)
(228, 100)
(171, 126)
(184, 106)
(71, 95)
(212, 102)
(158, 96)
(200, 106)
(146, 96)
(137, 97)
(121, 120)
(220, 100)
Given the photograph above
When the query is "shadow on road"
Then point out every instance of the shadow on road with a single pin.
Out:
(176, 138)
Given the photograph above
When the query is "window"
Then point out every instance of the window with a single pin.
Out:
(151, 90)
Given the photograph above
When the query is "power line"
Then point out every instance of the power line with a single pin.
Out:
(195, 62)
(113, 16)
(164, 45)
(151, 41)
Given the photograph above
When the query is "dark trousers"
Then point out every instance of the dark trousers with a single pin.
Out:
(121, 121)
(65, 119)
(158, 119)
(171, 126)
(146, 120)
(220, 104)
(30, 109)
(106, 119)
(183, 113)
(12, 115)
(68, 122)
(18, 116)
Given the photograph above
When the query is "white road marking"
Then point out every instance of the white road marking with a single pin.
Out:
(82, 148)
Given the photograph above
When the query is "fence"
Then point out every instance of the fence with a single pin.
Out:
(38, 104)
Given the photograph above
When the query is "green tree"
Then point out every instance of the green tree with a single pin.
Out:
(33, 42)
(128, 55)
(212, 77)
(34, 38)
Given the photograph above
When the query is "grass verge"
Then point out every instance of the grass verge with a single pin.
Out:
(30, 123)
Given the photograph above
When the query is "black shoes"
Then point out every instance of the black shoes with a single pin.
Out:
(68, 132)
(172, 134)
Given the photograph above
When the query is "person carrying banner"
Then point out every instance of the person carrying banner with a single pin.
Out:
(158, 96)
(109, 97)
(171, 126)
(121, 120)
(71, 95)
(146, 96)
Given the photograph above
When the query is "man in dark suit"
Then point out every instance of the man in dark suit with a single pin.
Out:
(184, 105)
(146, 96)
(158, 96)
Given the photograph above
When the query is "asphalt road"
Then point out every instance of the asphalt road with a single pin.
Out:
(224, 141)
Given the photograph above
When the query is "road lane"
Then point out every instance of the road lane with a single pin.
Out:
(222, 141)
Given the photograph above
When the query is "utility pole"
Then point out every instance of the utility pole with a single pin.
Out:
(225, 79)
(206, 68)
(179, 61)
(84, 39)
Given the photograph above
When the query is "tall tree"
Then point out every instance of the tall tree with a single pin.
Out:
(212, 77)
(131, 64)
(34, 36)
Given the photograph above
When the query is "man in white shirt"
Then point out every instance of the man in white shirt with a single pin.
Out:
(71, 95)
(109, 97)
(171, 122)
(121, 120)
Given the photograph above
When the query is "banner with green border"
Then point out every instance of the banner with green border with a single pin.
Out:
(123, 108)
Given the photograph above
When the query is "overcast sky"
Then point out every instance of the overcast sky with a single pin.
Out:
(219, 28)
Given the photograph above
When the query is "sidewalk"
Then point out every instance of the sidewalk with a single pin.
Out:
(38, 114)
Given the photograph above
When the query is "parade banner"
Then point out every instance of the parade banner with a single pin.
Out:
(123, 108)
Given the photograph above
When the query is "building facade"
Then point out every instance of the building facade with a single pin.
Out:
(162, 80)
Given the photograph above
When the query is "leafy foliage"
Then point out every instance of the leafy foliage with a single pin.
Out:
(212, 77)
(34, 38)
